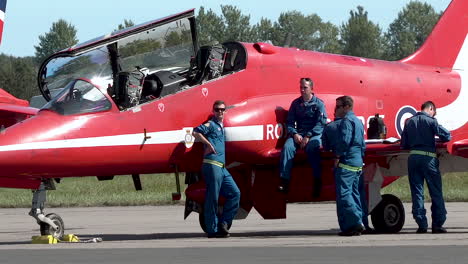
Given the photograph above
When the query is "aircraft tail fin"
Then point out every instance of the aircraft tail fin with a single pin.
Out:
(2, 17)
(444, 44)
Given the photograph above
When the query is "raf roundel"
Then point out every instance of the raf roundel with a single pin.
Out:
(402, 115)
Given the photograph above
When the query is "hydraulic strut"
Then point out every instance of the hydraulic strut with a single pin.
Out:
(38, 203)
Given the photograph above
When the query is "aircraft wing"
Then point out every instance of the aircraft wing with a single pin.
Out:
(385, 148)
(18, 109)
(382, 148)
(12, 114)
(13, 110)
(459, 145)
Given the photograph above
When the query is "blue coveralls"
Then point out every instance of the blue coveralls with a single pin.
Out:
(345, 137)
(218, 179)
(306, 119)
(418, 136)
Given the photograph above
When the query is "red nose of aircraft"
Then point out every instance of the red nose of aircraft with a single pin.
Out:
(34, 147)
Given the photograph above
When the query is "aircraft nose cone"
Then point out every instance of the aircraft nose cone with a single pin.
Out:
(21, 144)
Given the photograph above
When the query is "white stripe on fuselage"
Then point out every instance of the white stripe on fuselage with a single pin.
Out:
(244, 133)
(453, 116)
(239, 133)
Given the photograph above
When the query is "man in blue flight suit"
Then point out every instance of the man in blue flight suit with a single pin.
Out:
(305, 122)
(218, 179)
(329, 139)
(418, 136)
(345, 137)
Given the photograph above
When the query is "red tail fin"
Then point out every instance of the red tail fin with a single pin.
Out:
(446, 39)
(2, 16)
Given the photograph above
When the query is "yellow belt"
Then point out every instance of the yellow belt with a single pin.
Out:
(213, 162)
(425, 153)
(350, 168)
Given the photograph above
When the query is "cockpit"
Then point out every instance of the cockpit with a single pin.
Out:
(135, 66)
(79, 97)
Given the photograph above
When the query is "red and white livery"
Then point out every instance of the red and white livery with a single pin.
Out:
(129, 100)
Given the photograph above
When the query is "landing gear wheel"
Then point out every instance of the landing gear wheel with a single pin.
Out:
(389, 215)
(46, 229)
(201, 219)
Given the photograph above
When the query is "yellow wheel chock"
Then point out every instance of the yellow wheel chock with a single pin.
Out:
(70, 238)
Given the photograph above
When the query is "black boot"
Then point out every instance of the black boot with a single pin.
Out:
(317, 187)
(223, 229)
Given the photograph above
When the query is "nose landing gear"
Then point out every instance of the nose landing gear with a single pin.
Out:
(50, 224)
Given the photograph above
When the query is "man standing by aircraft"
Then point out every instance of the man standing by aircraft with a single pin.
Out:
(329, 140)
(345, 137)
(305, 122)
(218, 179)
(418, 136)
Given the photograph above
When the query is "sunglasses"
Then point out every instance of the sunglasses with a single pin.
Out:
(219, 109)
(338, 106)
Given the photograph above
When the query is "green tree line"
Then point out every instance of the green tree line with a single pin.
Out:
(358, 36)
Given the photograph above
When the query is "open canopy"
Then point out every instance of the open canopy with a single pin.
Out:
(162, 44)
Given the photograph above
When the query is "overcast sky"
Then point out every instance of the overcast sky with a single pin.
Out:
(24, 22)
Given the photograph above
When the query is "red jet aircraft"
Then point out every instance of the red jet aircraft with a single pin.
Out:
(130, 100)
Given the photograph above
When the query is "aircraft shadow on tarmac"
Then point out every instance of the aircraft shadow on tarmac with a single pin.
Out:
(158, 236)
(258, 234)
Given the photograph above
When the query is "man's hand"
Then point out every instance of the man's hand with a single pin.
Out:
(297, 138)
(209, 149)
(336, 161)
(304, 142)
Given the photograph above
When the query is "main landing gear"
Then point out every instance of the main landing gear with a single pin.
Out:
(389, 215)
(50, 224)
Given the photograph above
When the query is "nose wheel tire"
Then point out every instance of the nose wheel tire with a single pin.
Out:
(389, 215)
(46, 229)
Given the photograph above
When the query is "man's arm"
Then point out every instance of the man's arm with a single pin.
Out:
(199, 132)
(404, 143)
(326, 142)
(291, 119)
(291, 123)
(345, 133)
(442, 132)
(321, 116)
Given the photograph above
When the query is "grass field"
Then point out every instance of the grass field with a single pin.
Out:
(88, 191)
(157, 190)
(455, 188)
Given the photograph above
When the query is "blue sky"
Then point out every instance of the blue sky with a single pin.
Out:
(24, 22)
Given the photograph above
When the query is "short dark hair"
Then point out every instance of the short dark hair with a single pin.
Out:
(309, 80)
(428, 104)
(346, 101)
(218, 102)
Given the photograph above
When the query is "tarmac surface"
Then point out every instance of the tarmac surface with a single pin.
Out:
(159, 234)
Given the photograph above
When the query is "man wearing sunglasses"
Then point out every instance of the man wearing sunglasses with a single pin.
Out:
(305, 122)
(419, 137)
(218, 179)
(345, 137)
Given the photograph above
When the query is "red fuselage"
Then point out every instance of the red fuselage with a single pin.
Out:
(112, 142)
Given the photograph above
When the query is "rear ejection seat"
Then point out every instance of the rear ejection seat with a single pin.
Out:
(160, 84)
